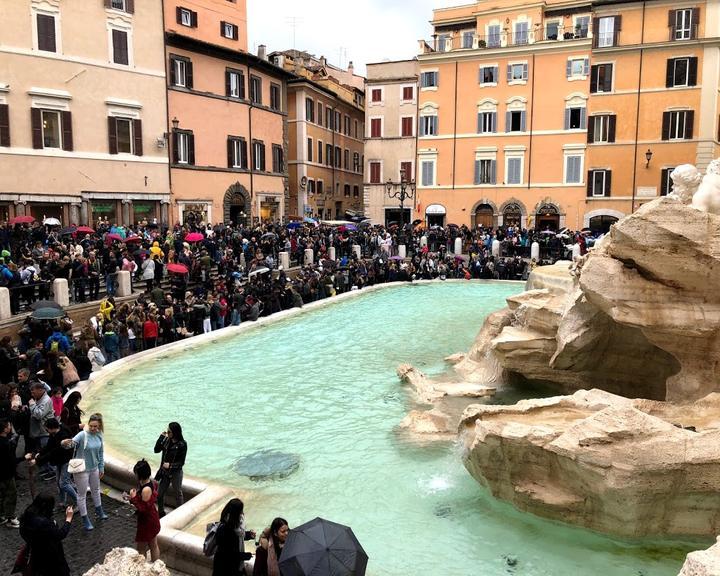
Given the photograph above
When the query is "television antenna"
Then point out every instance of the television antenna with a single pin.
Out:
(294, 22)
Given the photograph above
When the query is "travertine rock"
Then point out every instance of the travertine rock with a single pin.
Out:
(602, 461)
(703, 562)
(127, 562)
(428, 391)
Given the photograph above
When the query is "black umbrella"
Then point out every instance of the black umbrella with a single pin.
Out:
(322, 548)
(45, 304)
(268, 236)
(47, 314)
(141, 252)
(68, 230)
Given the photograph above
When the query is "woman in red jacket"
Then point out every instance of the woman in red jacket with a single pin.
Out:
(148, 519)
(150, 332)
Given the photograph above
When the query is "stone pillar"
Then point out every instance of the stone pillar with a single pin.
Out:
(423, 241)
(357, 251)
(124, 284)
(242, 259)
(20, 208)
(61, 293)
(74, 213)
(5, 312)
(165, 213)
(402, 251)
(84, 218)
(496, 248)
(125, 212)
(575, 252)
(331, 253)
(284, 260)
(458, 245)
(309, 257)
(535, 251)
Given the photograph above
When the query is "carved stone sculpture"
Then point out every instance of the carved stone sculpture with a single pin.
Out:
(686, 180)
(707, 197)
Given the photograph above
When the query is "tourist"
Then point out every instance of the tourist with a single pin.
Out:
(111, 343)
(150, 332)
(88, 445)
(70, 375)
(44, 538)
(174, 449)
(148, 272)
(71, 415)
(56, 396)
(55, 455)
(230, 538)
(96, 357)
(8, 464)
(148, 521)
(41, 410)
(267, 554)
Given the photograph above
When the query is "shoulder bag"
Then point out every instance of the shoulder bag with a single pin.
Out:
(77, 465)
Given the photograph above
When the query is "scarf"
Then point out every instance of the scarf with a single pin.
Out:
(272, 560)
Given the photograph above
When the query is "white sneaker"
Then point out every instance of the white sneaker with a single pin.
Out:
(12, 523)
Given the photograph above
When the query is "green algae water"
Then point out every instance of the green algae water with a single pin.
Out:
(321, 387)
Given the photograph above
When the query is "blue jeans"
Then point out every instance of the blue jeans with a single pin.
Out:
(66, 489)
(110, 284)
(235, 318)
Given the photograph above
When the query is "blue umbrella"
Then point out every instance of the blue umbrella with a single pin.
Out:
(309, 220)
(294, 225)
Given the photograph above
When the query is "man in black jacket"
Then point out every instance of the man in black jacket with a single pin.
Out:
(8, 464)
(58, 457)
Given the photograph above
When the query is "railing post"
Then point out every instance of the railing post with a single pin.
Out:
(5, 311)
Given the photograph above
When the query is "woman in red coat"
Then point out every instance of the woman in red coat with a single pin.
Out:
(150, 332)
(148, 519)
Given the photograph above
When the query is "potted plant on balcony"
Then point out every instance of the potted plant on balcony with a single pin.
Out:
(482, 43)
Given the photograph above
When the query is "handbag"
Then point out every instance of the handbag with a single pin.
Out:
(77, 465)
(22, 561)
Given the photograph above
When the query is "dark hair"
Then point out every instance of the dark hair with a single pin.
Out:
(52, 424)
(73, 400)
(232, 513)
(277, 524)
(176, 430)
(142, 470)
(3, 423)
(42, 505)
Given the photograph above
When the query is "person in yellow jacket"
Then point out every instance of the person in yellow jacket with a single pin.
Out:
(155, 250)
(106, 308)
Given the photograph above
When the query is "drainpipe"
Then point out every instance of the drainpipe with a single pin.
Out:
(637, 111)
(455, 125)
(532, 114)
(417, 147)
(167, 114)
(251, 156)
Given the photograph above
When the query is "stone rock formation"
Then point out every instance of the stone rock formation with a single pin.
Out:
(428, 391)
(703, 562)
(631, 468)
(127, 562)
(267, 465)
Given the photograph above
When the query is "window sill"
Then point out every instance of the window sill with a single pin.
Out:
(517, 83)
(429, 89)
(488, 84)
(577, 78)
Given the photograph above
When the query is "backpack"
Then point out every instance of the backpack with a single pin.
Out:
(54, 346)
(210, 542)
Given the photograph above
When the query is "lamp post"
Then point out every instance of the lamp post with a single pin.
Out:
(402, 190)
(648, 157)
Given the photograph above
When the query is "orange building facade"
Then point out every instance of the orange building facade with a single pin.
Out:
(516, 101)
(227, 117)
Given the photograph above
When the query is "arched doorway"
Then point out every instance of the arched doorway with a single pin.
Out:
(602, 223)
(236, 204)
(547, 218)
(512, 215)
(484, 216)
(435, 215)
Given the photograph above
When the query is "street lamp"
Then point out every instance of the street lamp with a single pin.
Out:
(175, 123)
(402, 190)
(648, 157)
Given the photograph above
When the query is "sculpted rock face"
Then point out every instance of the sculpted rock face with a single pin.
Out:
(602, 461)
(703, 562)
(127, 562)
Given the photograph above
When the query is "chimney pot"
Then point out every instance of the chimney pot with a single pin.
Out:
(262, 52)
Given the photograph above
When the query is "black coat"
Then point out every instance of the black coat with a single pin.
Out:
(44, 538)
(54, 453)
(228, 559)
(8, 460)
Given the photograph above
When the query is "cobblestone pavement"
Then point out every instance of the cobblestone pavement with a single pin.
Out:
(82, 549)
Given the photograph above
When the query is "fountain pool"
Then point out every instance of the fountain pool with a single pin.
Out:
(320, 388)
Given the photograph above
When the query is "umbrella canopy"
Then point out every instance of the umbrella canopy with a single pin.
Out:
(177, 268)
(310, 220)
(268, 236)
(51, 222)
(112, 236)
(396, 258)
(21, 220)
(348, 227)
(322, 548)
(462, 258)
(68, 230)
(131, 239)
(258, 271)
(45, 304)
(47, 314)
(294, 225)
(85, 230)
(194, 237)
(547, 233)
(141, 252)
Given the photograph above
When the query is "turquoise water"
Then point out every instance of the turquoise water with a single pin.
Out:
(323, 386)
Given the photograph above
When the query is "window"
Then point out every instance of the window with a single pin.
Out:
(183, 148)
(319, 187)
(338, 121)
(319, 114)
(255, 90)
(601, 78)
(356, 129)
(577, 67)
(346, 190)
(376, 95)
(573, 169)
(521, 32)
(46, 33)
(311, 187)
(4, 125)
(515, 121)
(186, 17)
(356, 162)
(124, 5)
(428, 125)
(599, 182)
(228, 30)
(517, 72)
(601, 129)
(467, 39)
(487, 122)
(575, 118)
(125, 135)
(309, 149)
(338, 157)
(181, 72)
(51, 129)
(485, 171)
(488, 75)
(406, 171)
(493, 39)
(117, 4)
(513, 169)
(346, 131)
(666, 182)
(237, 153)
(234, 84)
(681, 72)
(346, 159)
(683, 23)
(356, 191)
(258, 155)
(328, 155)
(408, 93)
(375, 175)
(444, 43)
(375, 127)
(120, 47)
(278, 159)
(606, 31)
(428, 79)
(582, 26)
(678, 125)
(407, 126)
(275, 95)
(552, 30)
(427, 172)
(309, 110)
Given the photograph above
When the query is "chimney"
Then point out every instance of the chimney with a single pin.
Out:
(351, 68)
(323, 61)
(262, 52)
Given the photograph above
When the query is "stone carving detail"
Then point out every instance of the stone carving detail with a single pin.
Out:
(127, 562)
(686, 179)
(707, 197)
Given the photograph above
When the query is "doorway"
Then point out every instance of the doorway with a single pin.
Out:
(484, 216)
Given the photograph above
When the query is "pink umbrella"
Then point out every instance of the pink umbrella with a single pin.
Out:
(132, 239)
(21, 220)
(194, 237)
(177, 268)
(111, 237)
(85, 230)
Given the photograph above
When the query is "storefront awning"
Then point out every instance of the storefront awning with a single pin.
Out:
(435, 209)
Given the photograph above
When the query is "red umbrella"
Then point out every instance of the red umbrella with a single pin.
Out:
(21, 220)
(84, 230)
(133, 239)
(109, 237)
(194, 237)
(177, 268)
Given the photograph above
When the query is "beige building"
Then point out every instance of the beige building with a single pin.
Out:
(391, 136)
(83, 118)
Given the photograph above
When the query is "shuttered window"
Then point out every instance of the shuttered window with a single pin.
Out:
(601, 78)
(573, 169)
(678, 125)
(406, 172)
(428, 125)
(427, 172)
(183, 148)
(181, 72)
(575, 118)
(515, 121)
(237, 152)
(375, 176)
(46, 33)
(125, 136)
(408, 93)
(681, 72)
(485, 171)
(310, 150)
(487, 122)
(599, 183)
(666, 182)
(275, 97)
(514, 170)
(120, 47)
(278, 159)
(407, 126)
(684, 23)
(228, 30)
(255, 90)
(4, 125)
(309, 110)
(234, 84)
(375, 128)
(258, 155)
(601, 129)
